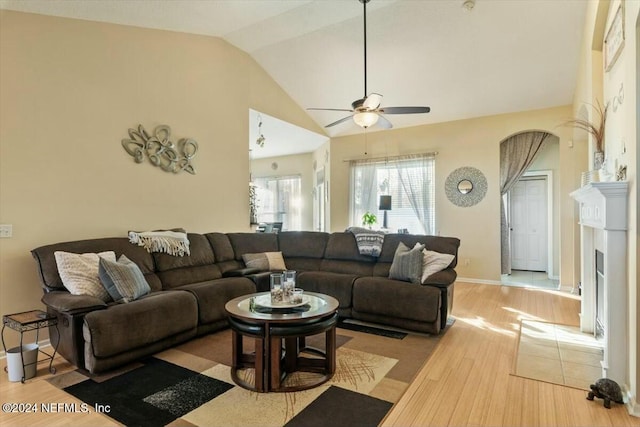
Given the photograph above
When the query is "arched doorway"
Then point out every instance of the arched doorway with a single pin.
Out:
(530, 209)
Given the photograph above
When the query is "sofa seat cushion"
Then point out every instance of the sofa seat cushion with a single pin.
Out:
(212, 296)
(124, 327)
(337, 285)
(395, 298)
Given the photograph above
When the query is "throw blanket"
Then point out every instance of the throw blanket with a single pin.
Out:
(171, 242)
(369, 241)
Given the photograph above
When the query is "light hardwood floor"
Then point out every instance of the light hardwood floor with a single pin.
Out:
(466, 381)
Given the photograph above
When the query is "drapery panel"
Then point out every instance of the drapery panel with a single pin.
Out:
(516, 155)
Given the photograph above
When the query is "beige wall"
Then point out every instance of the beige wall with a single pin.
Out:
(71, 89)
(621, 136)
(476, 143)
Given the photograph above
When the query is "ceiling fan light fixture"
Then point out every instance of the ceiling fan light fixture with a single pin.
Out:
(365, 119)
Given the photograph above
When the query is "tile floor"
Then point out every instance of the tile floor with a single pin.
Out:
(535, 279)
(558, 354)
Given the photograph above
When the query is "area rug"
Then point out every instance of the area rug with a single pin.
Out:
(558, 354)
(190, 385)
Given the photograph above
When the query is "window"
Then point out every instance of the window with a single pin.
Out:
(410, 182)
(278, 200)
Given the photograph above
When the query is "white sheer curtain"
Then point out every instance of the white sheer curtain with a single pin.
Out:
(409, 180)
(279, 200)
(364, 189)
(415, 174)
(516, 155)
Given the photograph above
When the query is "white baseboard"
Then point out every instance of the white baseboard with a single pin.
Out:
(41, 344)
(570, 289)
(481, 281)
(633, 407)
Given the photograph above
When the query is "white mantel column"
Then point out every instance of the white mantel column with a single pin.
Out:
(603, 209)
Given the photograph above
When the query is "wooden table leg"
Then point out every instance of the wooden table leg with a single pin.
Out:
(236, 344)
(330, 350)
(275, 359)
(259, 365)
(291, 354)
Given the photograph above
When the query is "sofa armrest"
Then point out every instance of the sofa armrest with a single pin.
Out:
(442, 278)
(240, 272)
(262, 280)
(64, 302)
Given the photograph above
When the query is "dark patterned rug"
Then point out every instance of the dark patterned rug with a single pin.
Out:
(190, 385)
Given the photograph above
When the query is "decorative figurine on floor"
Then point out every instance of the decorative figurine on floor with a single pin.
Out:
(606, 389)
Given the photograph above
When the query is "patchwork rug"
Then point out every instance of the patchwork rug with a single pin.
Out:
(558, 354)
(190, 385)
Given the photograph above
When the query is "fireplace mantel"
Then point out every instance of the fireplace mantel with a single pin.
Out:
(603, 226)
(603, 205)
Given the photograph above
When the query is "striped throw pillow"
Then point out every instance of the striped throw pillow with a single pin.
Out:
(407, 263)
(123, 279)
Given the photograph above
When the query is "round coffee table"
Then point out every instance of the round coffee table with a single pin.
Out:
(271, 326)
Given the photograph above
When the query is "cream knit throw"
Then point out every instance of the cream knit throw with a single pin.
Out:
(171, 242)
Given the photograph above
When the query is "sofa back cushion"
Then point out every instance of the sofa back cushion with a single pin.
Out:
(223, 252)
(445, 245)
(200, 266)
(342, 256)
(48, 269)
(303, 250)
(246, 243)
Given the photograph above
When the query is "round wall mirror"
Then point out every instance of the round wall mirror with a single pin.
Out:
(465, 186)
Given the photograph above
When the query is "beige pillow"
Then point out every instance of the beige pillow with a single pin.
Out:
(79, 273)
(276, 262)
(264, 261)
(258, 261)
(433, 262)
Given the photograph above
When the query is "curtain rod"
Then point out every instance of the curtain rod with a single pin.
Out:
(399, 156)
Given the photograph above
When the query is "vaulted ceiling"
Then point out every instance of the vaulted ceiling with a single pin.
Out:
(502, 56)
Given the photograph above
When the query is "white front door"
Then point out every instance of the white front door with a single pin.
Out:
(528, 201)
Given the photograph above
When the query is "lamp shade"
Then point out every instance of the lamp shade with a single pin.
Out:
(365, 119)
(385, 203)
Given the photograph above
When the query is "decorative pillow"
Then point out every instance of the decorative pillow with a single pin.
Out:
(407, 263)
(79, 273)
(264, 261)
(434, 262)
(123, 279)
(276, 262)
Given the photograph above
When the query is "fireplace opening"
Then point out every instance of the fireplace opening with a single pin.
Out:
(599, 330)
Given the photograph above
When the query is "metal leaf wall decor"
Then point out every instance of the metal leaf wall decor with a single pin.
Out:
(160, 150)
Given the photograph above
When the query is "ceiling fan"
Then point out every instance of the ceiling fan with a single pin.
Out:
(366, 111)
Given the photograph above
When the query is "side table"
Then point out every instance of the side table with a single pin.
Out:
(31, 321)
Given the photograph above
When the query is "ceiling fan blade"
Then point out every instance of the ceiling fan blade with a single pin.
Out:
(337, 122)
(404, 110)
(330, 109)
(372, 101)
(383, 122)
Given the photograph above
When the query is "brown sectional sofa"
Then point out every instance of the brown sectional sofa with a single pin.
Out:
(189, 293)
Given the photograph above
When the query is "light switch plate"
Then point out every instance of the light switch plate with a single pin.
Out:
(6, 230)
